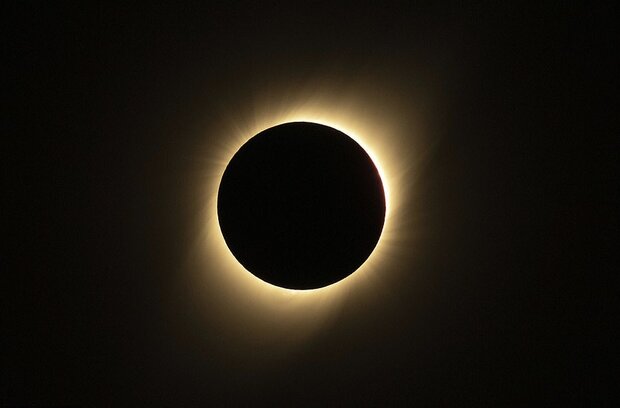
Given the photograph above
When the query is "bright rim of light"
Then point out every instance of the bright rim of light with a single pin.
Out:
(260, 308)
(386, 191)
(355, 135)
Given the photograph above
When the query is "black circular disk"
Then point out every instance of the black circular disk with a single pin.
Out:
(301, 205)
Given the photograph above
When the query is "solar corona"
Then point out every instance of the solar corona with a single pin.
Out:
(303, 190)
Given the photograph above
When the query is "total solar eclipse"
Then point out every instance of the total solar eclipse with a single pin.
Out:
(301, 205)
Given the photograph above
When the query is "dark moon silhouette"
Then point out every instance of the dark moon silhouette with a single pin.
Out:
(301, 205)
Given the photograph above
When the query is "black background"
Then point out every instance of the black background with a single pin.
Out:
(510, 302)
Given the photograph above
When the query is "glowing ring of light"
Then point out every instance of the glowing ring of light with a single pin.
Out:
(258, 308)
(386, 188)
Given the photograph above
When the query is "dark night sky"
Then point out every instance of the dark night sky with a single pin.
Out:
(502, 301)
